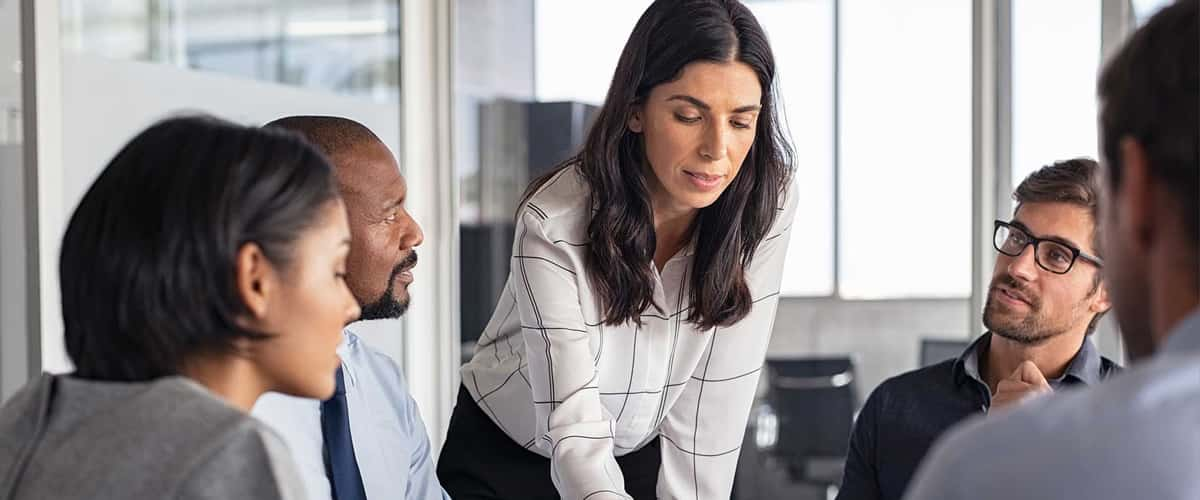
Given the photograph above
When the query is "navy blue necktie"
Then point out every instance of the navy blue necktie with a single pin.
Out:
(340, 465)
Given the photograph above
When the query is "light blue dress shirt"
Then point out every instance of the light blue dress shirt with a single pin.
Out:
(390, 441)
(1137, 435)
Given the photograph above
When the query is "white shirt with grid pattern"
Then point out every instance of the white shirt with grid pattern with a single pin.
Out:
(565, 386)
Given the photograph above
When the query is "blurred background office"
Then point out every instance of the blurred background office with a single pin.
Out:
(912, 120)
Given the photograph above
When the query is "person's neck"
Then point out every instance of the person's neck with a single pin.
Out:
(1052, 356)
(230, 377)
(672, 228)
(1174, 293)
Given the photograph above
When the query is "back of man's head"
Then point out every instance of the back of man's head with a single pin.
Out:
(1150, 127)
(1150, 92)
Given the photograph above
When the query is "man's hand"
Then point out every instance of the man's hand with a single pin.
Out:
(1026, 381)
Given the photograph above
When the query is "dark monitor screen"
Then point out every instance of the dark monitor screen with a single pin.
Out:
(934, 351)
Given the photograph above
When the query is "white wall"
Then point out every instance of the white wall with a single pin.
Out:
(883, 336)
(106, 102)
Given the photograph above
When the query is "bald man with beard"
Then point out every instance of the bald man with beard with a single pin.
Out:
(368, 440)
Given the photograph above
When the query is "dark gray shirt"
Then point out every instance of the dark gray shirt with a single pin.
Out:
(905, 415)
(1135, 436)
(67, 438)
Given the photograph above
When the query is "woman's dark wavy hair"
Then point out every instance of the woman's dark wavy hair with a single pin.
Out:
(147, 266)
(670, 35)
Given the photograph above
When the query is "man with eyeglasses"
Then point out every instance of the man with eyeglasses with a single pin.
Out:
(1046, 296)
(1137, 435)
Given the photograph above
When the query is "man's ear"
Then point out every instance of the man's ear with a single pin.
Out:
(1101, 304)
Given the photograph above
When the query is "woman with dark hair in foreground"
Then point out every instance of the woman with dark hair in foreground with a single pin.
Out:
(201, 269)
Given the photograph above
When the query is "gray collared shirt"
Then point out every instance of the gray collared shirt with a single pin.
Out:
(1088, 367)
(1135, 436)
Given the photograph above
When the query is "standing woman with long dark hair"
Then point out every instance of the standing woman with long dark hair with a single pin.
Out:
(623, 356)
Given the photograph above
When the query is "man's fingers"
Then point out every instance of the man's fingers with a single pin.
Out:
(1030, 374)
(1009, 385)
(1009, 391)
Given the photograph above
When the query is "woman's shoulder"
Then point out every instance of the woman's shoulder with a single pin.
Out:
(171, 429)
(184, 412)
(564, 197)
(250, 460)
(174, 410)
(224, 443)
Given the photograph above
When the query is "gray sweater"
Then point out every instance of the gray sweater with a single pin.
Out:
(69, 438)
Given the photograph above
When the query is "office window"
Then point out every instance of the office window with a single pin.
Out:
(801, 35)
(1143, 9)
(1055, 57)
(577, 45)
(905, 149)
(343, 46)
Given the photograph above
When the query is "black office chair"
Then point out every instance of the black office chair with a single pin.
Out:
(801, 425)
(814, 400)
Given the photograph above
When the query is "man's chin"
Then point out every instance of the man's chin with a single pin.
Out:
(388, 308)
(1004, 325)
(1022, 334)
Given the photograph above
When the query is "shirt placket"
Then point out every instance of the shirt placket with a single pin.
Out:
(649, 369)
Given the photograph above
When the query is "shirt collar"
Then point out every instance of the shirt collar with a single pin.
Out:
(345, 350)
(1185, 336)
(1084, 367)
(968, 363)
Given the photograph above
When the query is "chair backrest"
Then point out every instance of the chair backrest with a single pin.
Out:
(483, 257)
(814, 400)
